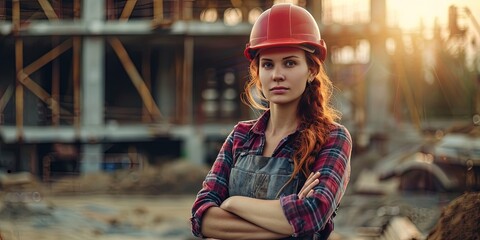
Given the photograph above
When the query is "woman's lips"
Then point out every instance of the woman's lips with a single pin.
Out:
(278, 90)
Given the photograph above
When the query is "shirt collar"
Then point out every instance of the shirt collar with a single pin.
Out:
(261, 125)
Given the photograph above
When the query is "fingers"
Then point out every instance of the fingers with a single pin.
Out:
(308, 189)
(310, 193)
(310, 183)
(311, 178)
(305, 184)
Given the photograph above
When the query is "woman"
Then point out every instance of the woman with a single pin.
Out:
(282, 175)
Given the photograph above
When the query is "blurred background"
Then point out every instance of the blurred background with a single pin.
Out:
(129, 101)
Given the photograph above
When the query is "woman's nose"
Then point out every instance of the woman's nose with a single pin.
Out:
(277, 75)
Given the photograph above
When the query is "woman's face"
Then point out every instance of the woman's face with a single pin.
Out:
(283, 73)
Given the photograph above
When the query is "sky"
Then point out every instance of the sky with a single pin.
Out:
(408, 13)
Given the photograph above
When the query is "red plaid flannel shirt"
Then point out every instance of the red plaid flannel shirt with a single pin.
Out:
(308, 215)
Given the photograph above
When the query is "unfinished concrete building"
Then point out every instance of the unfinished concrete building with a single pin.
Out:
(105, 84)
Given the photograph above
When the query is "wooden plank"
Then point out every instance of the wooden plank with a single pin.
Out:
(18, 85)
(76, 83)
(128, 9)
(135, 78)
(157, 11)
(47, 57)
(48, 10)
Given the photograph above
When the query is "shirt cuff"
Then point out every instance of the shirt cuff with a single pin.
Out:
(196, 230)
(289, 206)
(196, 219)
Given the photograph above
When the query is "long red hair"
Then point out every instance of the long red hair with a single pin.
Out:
(315, 112)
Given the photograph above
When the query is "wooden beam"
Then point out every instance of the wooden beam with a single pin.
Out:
(76, 9)
(16, 15)
(35, 88)
(25, 80)
(157, 11)
(128, 9)
(47, 57)
(55, 88)
(6, 98)
(19, 86)
(38, 91)
(135, 78)
(76, 82)
(146, 68)
(2, 12)
(18, 68)
(179, 112)
(186, 81)
(48, 10)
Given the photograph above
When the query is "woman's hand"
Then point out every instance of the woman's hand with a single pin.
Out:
(307, 189)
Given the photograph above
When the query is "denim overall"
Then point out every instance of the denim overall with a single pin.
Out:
(265, 178)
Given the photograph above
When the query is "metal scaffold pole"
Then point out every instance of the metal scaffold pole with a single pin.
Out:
(92, 85)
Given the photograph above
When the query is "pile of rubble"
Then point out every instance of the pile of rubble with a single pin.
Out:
(460, 219)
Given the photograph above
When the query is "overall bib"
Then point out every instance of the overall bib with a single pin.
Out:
(266, 178)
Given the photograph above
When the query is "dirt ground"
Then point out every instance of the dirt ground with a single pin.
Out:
(148, 203)
(122, 217)
(155, 202)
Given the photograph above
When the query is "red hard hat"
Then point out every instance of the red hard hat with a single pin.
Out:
(285, 24)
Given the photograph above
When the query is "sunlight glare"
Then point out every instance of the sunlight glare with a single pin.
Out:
(410, 14)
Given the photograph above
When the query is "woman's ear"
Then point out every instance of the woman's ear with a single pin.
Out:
(314, 70)
(312, 73)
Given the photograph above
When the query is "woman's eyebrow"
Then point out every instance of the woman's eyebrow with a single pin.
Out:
(268, 59)
(293, 56)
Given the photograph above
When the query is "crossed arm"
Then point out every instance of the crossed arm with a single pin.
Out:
(249, 218)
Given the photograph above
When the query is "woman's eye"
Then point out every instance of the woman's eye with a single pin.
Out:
(267, 65)
(290, 63)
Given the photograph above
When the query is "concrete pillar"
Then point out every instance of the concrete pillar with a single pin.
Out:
(378, 77)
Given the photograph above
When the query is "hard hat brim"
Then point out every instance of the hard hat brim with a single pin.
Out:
(319, 50)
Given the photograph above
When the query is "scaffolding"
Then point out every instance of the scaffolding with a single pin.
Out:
(97, 72)
(74, 39)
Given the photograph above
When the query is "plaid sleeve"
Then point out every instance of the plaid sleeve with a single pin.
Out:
(310, 215)
(215, 186)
